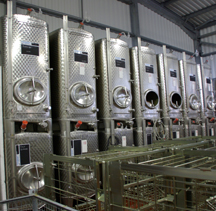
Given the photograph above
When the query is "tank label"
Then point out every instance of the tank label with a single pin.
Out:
(76, 147)
(29, 48)
(80, 56)
(119, 62)
(82, 69)
(84, 146)
(149, 138)
(22, 154)
(173, 73)
(176, 134)
(192, 77)
(208, 80)
(149, 68)
(121, 75)
(150, 78)
(174, 81)
(196, 133)
(124, 141)
(212, 131)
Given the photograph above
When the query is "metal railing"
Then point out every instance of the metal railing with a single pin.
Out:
(86, 182)
(185, 182)
(32, 202)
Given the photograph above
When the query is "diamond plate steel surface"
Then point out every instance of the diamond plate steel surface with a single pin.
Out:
(191, 86)
(207, 88)
(40, 143)
(210, 127)
(120, 76)
(173, 84)
(194, 128)
(138, 137)
(149, 80)
(32, 30)
(174, 128)
(80, 41)
(118, 132)
(103, 140)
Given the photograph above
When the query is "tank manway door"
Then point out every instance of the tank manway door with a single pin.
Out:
(29, 91)
(151, 99)
(194, 102)
(175, 100)
(31, 177)
(122, 96)
(82, 94)
(210, 102)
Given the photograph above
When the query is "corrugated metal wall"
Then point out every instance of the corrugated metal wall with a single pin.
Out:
(209, 49)
(159, 49)
(110, 12)
(67, 6)
(158, 28)
(2, 9)
(54, 23)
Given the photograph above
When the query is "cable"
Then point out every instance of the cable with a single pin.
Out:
(159, 130)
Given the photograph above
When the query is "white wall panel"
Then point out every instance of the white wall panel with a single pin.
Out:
(99, 34)
(159, 49)
(72, 7)
(208, 48)
(54, 23)
(109, 12)
(2, 9)
(158, 28)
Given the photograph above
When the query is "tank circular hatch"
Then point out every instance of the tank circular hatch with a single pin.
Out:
(210, 102)
(29, 91)
(151, 98)
(31, 177)
(175, 100)
(82, 174)
(122, 96)
(82, 94)
(194, 102)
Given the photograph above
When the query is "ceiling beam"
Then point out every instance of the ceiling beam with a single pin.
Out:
(200, 12)
(208, 54)
(207, 35)
(208, 43)
(205, 23)
(171, 16)
(168, 2)
(149, 40)
(212, 23)
(73, 18)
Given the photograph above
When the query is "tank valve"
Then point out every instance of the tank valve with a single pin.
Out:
(212, 119)
(49, 69)
(43, 124)
(175, 120)
(78, 124)
(131, 110)
(29, 10)
(95, 109)
(46, 108)
(24, 125)
(81, 24)
(96, 76)
(91, 124)
(119, 125)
